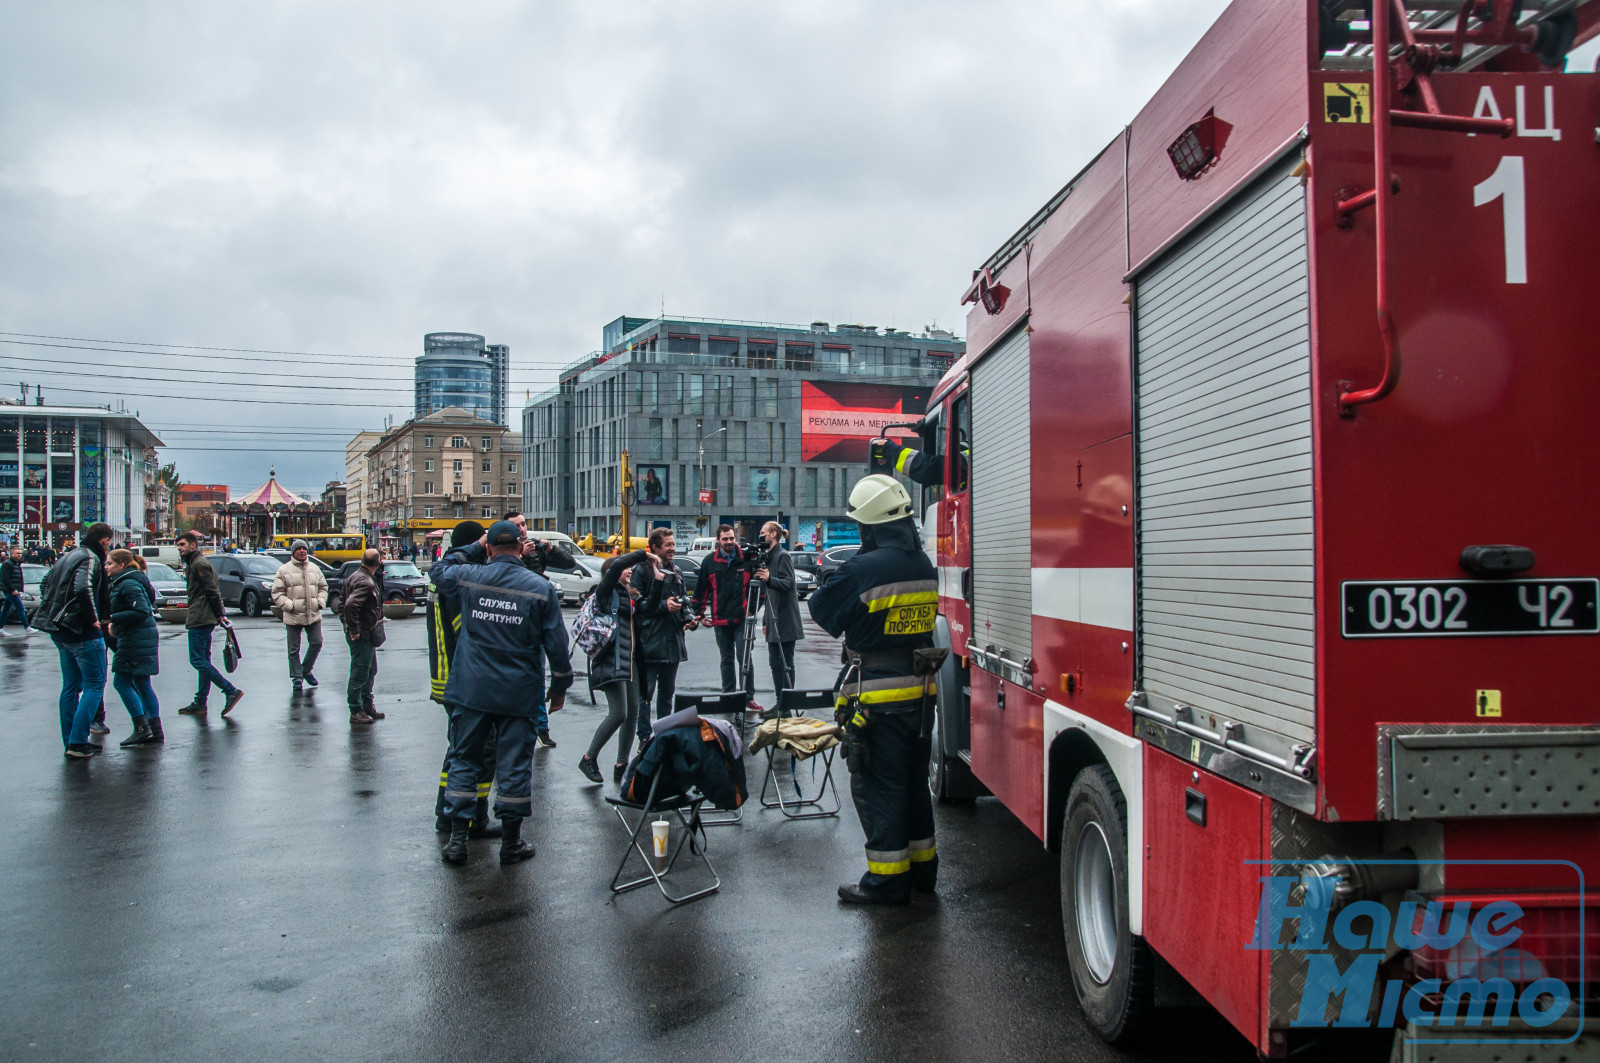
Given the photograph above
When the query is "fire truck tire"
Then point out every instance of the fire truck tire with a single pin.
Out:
(949, 778)
(1112, 971)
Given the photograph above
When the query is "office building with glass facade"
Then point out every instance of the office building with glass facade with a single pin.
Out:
(65, 467)
(725, 422)
(460, 369)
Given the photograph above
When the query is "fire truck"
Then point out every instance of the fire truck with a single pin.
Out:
(1270, 524)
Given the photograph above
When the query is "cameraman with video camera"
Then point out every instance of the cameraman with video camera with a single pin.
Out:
(780, 618)
(665, 613)
(719, 602)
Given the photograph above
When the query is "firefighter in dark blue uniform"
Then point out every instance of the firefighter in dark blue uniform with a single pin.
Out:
(883, 601)
(510, 621)
(915, 465)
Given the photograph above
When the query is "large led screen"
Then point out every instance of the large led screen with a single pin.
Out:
(838, 420)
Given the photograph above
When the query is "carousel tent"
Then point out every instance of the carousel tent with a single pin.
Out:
(270, 510)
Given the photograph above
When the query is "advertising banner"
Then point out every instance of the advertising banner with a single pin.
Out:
(764, 486)
(8, 476)
(33, 477)
(838, 420)
(61, 509)
(8, 508)
(33, 512)
(652, 485)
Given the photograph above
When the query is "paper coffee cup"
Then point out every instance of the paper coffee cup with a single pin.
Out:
(658, 834)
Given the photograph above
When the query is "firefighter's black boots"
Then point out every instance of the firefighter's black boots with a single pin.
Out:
(512, 848)
(455, 850)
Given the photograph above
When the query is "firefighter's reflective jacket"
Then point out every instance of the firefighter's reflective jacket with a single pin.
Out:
(883, 601)
(510, 622)
(444, 625)
(915, 465)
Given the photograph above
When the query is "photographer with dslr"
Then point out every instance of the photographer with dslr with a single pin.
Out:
(780, 619)
(664, 613)
(719, 600)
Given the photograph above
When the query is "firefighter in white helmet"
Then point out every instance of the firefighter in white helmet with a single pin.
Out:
(883, 601)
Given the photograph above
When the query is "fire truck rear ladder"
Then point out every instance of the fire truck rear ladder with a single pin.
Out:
(1482, 28)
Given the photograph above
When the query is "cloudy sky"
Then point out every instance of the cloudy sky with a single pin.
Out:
(331, 180)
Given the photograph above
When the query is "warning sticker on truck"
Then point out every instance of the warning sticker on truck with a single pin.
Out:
(1343, 102)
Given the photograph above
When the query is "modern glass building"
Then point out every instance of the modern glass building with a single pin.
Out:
(64, 467)
(725, 422)
(461, 369)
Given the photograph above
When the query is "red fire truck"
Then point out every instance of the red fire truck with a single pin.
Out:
(1270, 529)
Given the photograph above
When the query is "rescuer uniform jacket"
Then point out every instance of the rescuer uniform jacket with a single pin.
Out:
(660, 630)
(723, 583)
(300, 590)
(133, 621)
(444, 626)
(914, 464)
(205, 600)
(510, 621)
(883, 601)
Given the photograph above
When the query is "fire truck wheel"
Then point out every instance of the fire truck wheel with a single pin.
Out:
(1111, 969)
(949, 778)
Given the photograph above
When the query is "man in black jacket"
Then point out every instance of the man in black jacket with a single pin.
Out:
(75, 607)
(780, 616)
(663, 619)
(719, 601)
(11, 586)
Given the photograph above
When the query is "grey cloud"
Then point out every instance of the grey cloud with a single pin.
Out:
(344, 177)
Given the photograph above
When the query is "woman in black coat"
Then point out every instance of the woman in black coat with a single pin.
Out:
(136, 658)
(612, 670)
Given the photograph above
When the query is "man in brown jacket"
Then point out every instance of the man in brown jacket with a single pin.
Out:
(206, 611)
(299, 591)
(361, 608)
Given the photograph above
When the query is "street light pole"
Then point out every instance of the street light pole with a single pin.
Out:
(701, 447)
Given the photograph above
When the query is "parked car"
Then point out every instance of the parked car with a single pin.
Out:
(804, 583)
(172, 593)
(399, 581)
(245, 580)
(806, 561)
(32, 577)
(577, 581)
(690, 567)
(833, 557)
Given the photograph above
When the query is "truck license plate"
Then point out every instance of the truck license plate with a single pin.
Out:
(1439, 608)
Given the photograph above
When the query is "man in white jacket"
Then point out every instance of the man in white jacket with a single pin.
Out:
(299, 591)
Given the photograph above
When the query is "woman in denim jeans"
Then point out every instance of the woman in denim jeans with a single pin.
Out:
(136, 657)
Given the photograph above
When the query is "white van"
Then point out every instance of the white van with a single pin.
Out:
(563, 541)
(167, 555)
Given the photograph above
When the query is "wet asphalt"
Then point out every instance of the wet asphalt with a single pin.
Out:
(268, 887)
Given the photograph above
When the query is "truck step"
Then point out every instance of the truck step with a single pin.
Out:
(966, 755)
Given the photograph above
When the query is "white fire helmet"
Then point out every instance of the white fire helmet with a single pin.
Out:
(878, 499)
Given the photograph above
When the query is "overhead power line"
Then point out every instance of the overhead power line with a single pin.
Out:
(301, 359)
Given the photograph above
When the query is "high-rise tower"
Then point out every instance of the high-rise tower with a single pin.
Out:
(461, 369)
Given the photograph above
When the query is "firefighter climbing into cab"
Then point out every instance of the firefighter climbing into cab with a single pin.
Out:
(883, 601)
(924, 466)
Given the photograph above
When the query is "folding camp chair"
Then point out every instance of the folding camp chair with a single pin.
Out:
(791, 704)
(686, 807)
(716, 704)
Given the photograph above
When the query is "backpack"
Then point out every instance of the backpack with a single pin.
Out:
(593, 630)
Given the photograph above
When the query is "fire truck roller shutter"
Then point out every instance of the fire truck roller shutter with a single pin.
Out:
(1223, 381)
(1002, 501)
(1002, 508)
